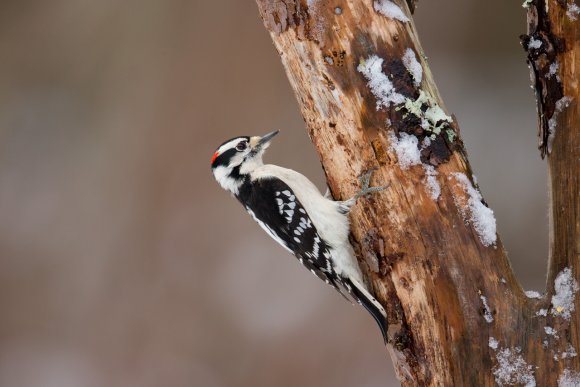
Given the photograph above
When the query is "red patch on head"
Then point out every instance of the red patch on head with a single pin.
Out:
(215, 155)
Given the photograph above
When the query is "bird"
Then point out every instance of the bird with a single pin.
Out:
(291, 210)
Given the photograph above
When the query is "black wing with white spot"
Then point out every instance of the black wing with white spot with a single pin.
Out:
(274, 206)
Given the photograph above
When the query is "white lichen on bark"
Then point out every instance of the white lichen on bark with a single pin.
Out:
(433, 118)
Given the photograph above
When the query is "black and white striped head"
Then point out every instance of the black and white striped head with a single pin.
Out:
(235, 159)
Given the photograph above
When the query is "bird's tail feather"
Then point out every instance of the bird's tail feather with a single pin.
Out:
(372, 306)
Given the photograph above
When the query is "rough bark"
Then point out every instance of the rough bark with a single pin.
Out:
(448, 289)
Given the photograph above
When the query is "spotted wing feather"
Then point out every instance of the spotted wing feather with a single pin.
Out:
(275, 207)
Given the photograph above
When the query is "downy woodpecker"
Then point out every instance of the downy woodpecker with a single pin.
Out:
(295, 214)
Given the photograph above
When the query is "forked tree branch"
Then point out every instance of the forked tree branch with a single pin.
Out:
(428, 244)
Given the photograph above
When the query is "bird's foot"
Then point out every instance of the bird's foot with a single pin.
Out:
(365, 180)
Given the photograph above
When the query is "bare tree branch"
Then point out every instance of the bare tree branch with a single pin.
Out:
(428, 244)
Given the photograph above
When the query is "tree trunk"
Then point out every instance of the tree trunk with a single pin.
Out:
(457, 315)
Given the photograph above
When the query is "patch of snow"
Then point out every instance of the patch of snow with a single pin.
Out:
(570, 352)
(413, 66)
(542, 312)
(493, 343)
(565, 288)
(380, 85)
(486, 311)
(561, 104)
(569, 379)
(481, 217)
(534, 43)
(533, 294)
(573, 11)
(551, 331)
(431, 182)
(512, 369)
(391, 10)
(554, 67)
(406, 148)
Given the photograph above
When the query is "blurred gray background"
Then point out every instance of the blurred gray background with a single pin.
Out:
(122, 263)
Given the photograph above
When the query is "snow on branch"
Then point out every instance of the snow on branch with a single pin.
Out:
(475, 212)
(380, 85)
(565, 288)
(391, 10)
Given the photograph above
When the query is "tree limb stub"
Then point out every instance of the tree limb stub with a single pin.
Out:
(427, 244)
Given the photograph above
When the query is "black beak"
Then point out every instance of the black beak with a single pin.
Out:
(265, 139)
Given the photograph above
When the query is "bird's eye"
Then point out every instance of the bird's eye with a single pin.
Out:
(241, 146)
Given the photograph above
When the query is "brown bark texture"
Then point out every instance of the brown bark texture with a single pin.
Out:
(427, 244)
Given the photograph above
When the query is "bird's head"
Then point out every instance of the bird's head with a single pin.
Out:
(236, 158)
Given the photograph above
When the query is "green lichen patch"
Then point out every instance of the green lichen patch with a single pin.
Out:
(433, 118)
(424, 118)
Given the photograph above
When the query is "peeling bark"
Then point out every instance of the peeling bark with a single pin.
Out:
(449, 291)
(543, 48)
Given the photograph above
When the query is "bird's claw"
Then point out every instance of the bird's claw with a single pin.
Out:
(365, 180)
